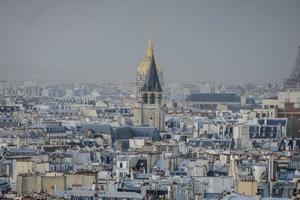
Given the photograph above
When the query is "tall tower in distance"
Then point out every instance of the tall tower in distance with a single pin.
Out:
(143, 69)
(148, 110)
(293, 82)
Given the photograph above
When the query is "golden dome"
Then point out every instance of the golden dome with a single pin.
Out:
(144, 65)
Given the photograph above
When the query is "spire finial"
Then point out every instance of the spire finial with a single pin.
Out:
(149, 51)
(149, 43)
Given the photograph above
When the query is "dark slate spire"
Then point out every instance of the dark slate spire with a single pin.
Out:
(151, 83)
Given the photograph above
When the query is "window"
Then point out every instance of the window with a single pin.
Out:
(160, 97)
(145, 98)
(287, 99)
(152, 99)
(278, 191)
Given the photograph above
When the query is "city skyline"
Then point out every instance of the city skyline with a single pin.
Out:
(149, 100)
(103, 41)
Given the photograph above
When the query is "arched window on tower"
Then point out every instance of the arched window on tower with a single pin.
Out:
(160, 98)
(145, 98)
(152, 98)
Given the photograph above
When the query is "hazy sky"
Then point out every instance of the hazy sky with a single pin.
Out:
(233, 41)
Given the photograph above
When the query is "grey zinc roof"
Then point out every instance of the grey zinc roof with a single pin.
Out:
(97, 128)
(213, 195)
(125, 133)
(214, 97)
(147, 132)
(115, 194)
(21, 151)
(151, 83)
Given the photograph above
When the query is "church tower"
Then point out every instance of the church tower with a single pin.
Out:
(143, 69)
(148, 110)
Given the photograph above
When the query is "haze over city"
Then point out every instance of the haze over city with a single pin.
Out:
(99, 41)
(149, 99)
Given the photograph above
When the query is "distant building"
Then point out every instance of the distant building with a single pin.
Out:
(293, 82)
(214, 101)
(289, 107)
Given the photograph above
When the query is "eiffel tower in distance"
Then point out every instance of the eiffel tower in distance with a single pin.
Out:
(293, 82)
